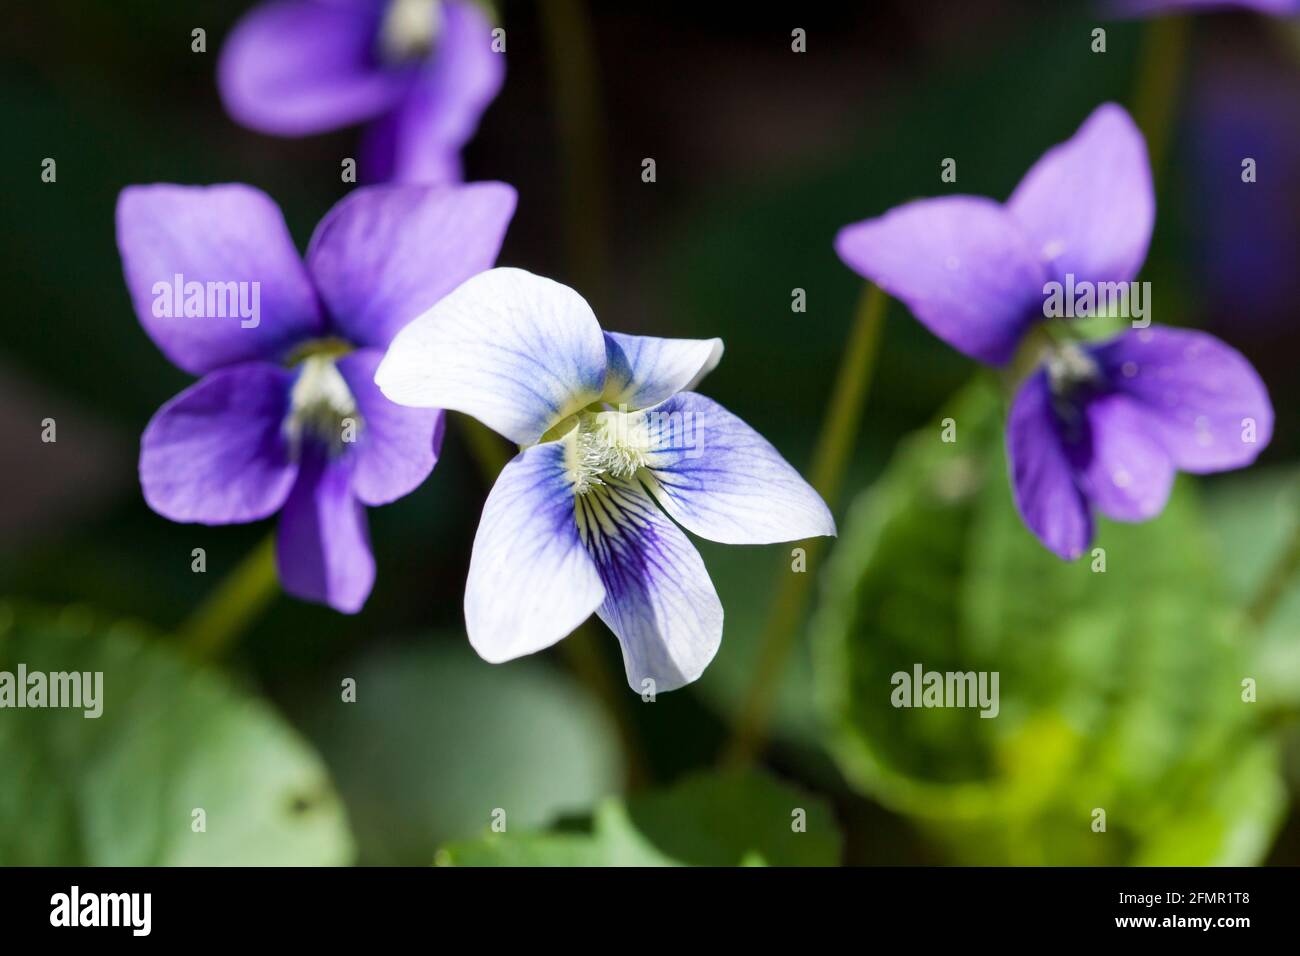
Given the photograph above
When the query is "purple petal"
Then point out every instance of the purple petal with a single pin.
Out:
(1088, 204)
(420, 140)
(397, 446)
(214, 235)
(722, 480)
(1206, 404)
(296, 67)
(385, 254)
(1143, 8)
(518, 352)
(960, 263)
(642, 370)
(531, 582)
(1122, 468)
(323, 543)
(216, 453)
(659, 601)
(1042, 479)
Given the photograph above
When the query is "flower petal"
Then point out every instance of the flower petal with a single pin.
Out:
(531, 582)
(518, 352)
(722, 480)
(659, 600)
(960, 263)
(216, 453)
(1208, 405)
(297, 67)
(397, 446)
(323, 543)
(214, 234)
(420, 140)
(385, 254)
(1125, 472)
(642, 370)
(1088, 204)
(1042, 478)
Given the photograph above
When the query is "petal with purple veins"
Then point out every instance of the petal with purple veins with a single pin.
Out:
(531, 581)
(385, 254)
(960, 263)
(1088, 205)
(231, 240)
(1205, 402)
(1042, 477)
(216, 453)
(659, 600)
(323, 542)
(518, 352)
(722, 480)
(643, 370)
(396, 446)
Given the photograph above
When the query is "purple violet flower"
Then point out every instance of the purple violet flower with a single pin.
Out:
(1147, 8)
(1099, 425)
(420, 72)
(285, 416)
(616, 452)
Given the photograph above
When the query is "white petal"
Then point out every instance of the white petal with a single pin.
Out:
(644, 370)
(516, 351)
(724, 481)
(531, 581)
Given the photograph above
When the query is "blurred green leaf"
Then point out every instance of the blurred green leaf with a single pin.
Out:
(1253, 515)
(740, 818)
(438, 739)
(120, 789)
(1118, 690)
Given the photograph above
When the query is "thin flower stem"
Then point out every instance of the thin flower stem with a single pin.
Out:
(589, 665)
(1278, 581)
(575, 87)
(1155, 100)
(489, 450)
(830, 460)
(238, 599)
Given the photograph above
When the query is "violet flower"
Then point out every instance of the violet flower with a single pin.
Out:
(285, 416)
(1098, 426)
(616, 452)
(1146, 8)
(420, 72)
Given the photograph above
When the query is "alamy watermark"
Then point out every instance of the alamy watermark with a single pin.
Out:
(922, 688)
(78, 690)
(1079, 299)
(208, 300)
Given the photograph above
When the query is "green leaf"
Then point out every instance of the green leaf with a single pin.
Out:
(1118, 691)
(437, 740)
(741, 818)
(120, 789)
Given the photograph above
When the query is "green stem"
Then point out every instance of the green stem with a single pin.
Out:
(575, 86)
(486, 447)
(830, 460)
(238, 599)
(1155, 100)
(1278, 581)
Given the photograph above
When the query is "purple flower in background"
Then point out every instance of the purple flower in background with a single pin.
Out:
(1098, 425)
(617, 451)
(285, 416)
(420, 72)
(1146, 8)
